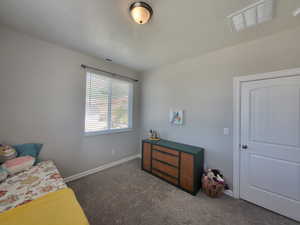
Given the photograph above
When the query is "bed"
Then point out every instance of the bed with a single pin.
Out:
(42, 193)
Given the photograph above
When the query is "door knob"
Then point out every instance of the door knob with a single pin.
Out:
(244, 146)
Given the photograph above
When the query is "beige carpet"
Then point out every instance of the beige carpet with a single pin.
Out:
(125, 195)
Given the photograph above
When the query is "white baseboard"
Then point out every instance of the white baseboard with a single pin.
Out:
(100, 168)
(229, 193)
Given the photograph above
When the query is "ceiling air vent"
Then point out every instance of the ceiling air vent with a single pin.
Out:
(252, 15)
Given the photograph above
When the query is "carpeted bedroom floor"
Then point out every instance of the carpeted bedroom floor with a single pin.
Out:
(125, 195)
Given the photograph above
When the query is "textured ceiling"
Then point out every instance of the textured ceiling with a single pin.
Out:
(103, 28)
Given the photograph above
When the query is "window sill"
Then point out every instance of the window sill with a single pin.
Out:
(108, 132)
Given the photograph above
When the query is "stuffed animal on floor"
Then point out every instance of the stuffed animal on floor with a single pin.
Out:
(213, 183)
(216, 175)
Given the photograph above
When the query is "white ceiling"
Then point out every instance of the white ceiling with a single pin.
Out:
(179, 28)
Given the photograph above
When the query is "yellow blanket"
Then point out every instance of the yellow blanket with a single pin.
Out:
(56, 208)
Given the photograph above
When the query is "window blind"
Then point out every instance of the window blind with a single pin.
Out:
(108, 103)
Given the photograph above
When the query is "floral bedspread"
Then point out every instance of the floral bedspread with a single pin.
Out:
(29, 185)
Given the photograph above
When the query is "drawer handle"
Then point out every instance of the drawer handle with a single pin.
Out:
(164, 173)
(167, 153)
(161, 161)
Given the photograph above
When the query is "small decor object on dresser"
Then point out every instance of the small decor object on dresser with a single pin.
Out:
(213, 183)
(153, 135)
(178, 164)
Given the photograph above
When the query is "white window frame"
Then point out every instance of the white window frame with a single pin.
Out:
(130, 109)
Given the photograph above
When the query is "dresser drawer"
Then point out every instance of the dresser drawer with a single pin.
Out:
(187, 183)
(187, 172)
(146, 157)
(165, 177)
(170, 159)
(165, 168)
(165, 150)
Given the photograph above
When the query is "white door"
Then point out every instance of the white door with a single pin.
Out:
(270, 144)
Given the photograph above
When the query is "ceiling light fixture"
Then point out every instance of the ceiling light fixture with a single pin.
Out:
(296, 12)
(140, 12)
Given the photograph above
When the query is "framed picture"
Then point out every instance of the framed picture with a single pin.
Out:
(176, 117)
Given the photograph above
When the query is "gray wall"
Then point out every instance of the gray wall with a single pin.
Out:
(42, 99)
(203, 87)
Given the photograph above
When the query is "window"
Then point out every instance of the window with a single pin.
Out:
(108, 104)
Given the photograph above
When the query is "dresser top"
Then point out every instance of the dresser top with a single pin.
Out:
(177, 146)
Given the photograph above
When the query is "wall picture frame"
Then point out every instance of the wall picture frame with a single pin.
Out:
(176, 117)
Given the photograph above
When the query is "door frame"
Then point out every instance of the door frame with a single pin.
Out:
(237, 85)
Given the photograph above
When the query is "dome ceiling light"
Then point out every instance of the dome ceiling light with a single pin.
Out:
(140, 12)
(297, 12)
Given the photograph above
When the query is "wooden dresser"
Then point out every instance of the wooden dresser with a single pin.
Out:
(178, 164)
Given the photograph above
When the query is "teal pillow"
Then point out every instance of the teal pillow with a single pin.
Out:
(29, 149)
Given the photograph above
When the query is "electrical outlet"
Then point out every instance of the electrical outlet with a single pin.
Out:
(113, 152)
